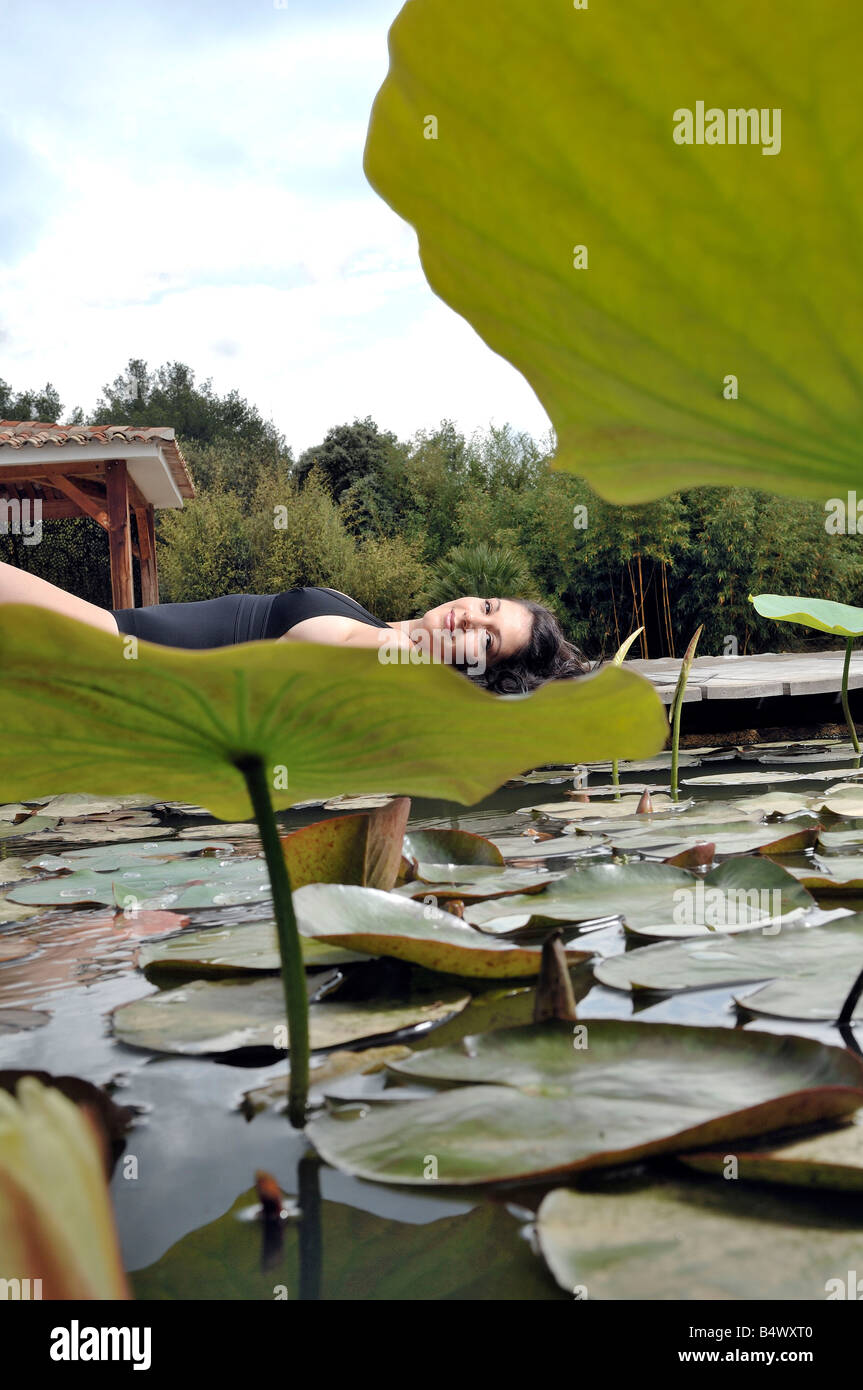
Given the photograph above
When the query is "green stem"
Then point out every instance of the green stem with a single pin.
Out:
(848, 719)
(675, 744)
(615, 776)
(290, 948)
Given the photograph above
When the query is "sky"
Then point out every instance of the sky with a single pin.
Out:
(182, 181)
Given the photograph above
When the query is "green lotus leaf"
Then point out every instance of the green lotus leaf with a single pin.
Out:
(801, 972)
(697, 1241)
(385, 924)
(727, 838)
(534, 1101)
(651, 898)
(322, 721)
(840, 619)
(675, 314)
(213, 1016)
(238, 949)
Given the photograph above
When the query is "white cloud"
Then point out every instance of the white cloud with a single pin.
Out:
(209, 206)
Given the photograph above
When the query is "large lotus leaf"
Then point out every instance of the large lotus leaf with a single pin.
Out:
(234, 950)
(627, 275)
(365, 848)
(450, 847)
(699, 1241)
(658, 899)
(840, 619)
(832, 1160)
(212, 1016)
(385, 924)
(196, 882)
(810, 969)
(322, 721)
(535, 1101)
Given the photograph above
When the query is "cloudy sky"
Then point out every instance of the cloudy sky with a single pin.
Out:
(182, 179)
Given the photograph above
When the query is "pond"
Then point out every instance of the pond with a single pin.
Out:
(184, 1181)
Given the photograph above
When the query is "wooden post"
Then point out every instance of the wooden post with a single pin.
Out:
(147, 548)
(119, 534)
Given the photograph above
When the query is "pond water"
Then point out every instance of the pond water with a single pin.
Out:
(186, 1205)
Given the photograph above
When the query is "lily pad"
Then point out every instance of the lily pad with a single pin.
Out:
(364, 919)
(650, 898)
(333, 1066)
(31, 826)
(471, 882)
(700, 1241)
(215, 1016)
(450, 847)
(365, 848)
(727, 838)
(531, 1103)
(234, 950)
(178, 883)
(109, 858)
(837, 875)
(516, 847)
(590, 810)
(831, 1160)
(802, 972)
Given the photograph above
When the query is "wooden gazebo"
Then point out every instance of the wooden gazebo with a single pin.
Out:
(107, 472)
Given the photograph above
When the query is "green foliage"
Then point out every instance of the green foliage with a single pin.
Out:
(481, 569)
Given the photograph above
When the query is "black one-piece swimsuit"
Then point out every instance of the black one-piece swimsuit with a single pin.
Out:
(223, 622)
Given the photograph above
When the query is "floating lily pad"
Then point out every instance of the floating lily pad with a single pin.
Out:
(740, 837)
(809, 969)
(685, 1241)
(516, 847)
(753, 777)
(31, 826)
(364, 919)
(331, 1067)
(178, 883)
(590, 810)
(214, 1016)
(531, 1103)
(234, 950)
(651, 898)
(450, 847)
(110, 858)
(844, 801)
(69, 807)
(835, 840)
(12, 912)
(838, 875)
(831, 1160)
(14, 870)
(471, 882)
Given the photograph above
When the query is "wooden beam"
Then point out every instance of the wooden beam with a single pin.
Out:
(42, 472)
(119, 535)
(86, 503)
(147, 549)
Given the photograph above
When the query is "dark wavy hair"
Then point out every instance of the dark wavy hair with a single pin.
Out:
(547, 656)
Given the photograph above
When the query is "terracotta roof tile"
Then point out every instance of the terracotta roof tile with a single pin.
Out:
(18, 434)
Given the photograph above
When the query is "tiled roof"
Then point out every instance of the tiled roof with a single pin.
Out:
(18, 434)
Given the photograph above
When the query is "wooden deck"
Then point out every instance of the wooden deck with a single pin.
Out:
(763, 677)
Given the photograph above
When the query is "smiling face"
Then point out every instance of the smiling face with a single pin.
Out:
(477, 631)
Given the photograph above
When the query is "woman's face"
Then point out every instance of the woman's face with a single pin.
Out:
(477, 631)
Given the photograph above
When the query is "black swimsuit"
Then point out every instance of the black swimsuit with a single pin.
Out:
(222, 622)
